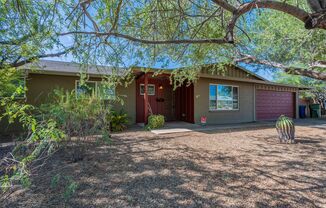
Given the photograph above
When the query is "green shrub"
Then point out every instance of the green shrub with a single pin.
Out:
(77, 116)
(155, 121)
(60, 181)
(41, 140)
(119, 121)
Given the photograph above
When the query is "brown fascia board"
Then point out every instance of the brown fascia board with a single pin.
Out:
(64, 73)
(249, 81)
(262, 81)
(168, 71)
(136, 69)
(69, 69)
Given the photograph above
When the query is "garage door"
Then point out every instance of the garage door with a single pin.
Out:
(271, 104)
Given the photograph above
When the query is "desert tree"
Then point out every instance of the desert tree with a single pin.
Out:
(289, 35)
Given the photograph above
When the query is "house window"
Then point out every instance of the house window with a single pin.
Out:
(86, 89)
(106, 92)
(95, 88)
(150, 89)
(223, 97)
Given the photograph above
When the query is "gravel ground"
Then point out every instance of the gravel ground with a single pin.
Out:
(5, 150)
(243, 168)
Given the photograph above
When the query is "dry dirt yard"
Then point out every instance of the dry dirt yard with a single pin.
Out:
(244, 168)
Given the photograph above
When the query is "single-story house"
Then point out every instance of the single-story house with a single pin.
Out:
(233, 96)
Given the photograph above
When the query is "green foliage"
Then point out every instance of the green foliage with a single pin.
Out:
(151, 20)
(106, 138)
(80, 115)
(28, 29)
(155, 121)
(55, 181)
(119, 120)
(32, 29)
(70, 190)
(69, 185)
(42, 138)
(317, 91)
(11, 83)
(25, 181)
(281, 38)
(5, 182)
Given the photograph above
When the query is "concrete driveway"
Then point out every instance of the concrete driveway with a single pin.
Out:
(179, 126)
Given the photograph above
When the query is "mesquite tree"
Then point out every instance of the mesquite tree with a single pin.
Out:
(285, 34)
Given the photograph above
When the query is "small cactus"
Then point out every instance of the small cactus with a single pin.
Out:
(285, 129)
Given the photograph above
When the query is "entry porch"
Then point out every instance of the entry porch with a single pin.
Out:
(155, 95)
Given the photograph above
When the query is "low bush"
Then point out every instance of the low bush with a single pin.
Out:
(119, 120)
(79, 117)
(155, 121)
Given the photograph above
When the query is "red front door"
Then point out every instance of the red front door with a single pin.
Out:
(184, 103)
(160, 98)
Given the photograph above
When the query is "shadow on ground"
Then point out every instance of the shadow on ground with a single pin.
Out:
(142, 170)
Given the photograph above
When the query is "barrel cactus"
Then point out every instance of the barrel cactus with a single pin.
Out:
(285, 129)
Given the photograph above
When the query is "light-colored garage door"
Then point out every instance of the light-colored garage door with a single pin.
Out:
(271, 104)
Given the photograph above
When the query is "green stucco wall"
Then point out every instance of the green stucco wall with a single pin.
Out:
(246, 103)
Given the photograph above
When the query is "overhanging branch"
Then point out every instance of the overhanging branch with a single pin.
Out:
(17, 41)
(146, 41)
(308, 72)
(225, 5)
(311, 21)
(33, 58)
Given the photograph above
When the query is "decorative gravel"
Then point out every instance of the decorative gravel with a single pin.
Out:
(242, 168)
(5, 149)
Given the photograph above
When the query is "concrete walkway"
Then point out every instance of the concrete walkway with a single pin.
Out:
(180, 127)
(313, 123)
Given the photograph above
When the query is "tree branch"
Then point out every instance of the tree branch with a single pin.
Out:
(89, 16)
(306, 72)
(270, 4)
(145, 41)
(315, 20)
(116, 18)
(309, 72)
(225, 5)
(17, 41)
(31, 59)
